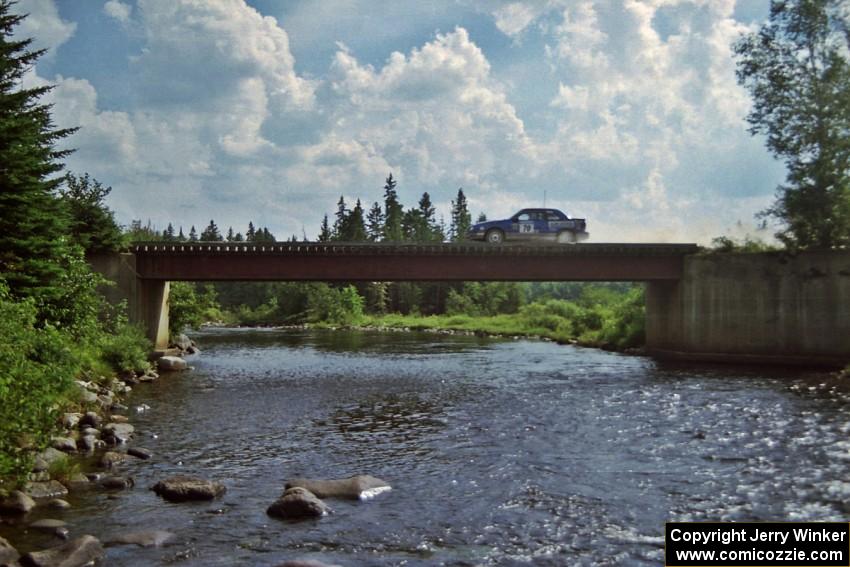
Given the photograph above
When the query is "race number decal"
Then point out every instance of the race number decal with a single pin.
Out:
(526, 227)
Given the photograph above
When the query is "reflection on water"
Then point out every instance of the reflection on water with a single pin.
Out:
(499, 452)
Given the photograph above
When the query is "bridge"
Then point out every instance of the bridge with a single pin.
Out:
(751, 307)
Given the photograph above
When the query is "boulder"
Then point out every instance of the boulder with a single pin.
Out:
(70, 420)
(117, 433)
(181, 488)
(16, 503)
(59, 504)
(87, 443)
(360, 487)
(49, 489)
(151, 538)
(117, 418)
(91, 419)
(47, 525)
(48, 457)
(78, 552)
(182, 342)
(65, 444)
(140, 453)
(112, 458)
(88, 397)
(297, 503)
(170, 363)
(115, 482)
(8, 554)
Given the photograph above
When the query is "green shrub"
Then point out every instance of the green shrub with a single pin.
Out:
(37, 367)
(126, 350)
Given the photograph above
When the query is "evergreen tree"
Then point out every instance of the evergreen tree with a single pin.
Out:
(375, 223)
(193, 235)
(211, 233)
(91, 224)
(797, 69)
(339, 228)
(325, 233)
(355, 226)
(252, 233)
(32, 219)
(461, 217)
(238, 237)
(426, 230)
(393, 212)
(481, 217)
(180, 236)
(230, 235)
(168, 235)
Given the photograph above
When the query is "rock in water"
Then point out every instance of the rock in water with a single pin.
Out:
(8, 554)
(140, 453)
(17, 503)
(181, 488)
(297, 503)
(152, 538)
(360, 487)
(172, 363)
(78, 552)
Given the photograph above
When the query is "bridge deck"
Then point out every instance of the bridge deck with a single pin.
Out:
(317, 261)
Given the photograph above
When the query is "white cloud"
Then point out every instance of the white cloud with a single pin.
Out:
(118, 10)
(43, 24)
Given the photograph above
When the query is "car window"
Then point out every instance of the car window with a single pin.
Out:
(552, 216)
(523, 217)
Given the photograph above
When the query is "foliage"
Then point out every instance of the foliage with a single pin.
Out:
(747, 244)
(37, 365)
(461, 217)
(32, 219)
(92, 224)
(393, 212)
(797, 70)
(187, 307)
(334, 306)
(126, 349)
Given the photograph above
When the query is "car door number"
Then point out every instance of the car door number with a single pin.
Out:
(525, 227)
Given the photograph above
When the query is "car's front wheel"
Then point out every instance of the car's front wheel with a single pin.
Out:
(495, 236)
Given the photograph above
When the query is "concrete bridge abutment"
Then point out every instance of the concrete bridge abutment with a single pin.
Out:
(754, 307)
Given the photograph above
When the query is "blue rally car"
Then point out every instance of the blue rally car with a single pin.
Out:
(531, 225)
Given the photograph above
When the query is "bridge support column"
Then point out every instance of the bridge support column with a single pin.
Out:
(760, 308)
(152, 310)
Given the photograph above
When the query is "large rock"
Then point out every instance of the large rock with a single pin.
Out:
(297, 503)
(182, 342)
(16, 503)
(151, 538)
(91, 419)
(169, 363)
(64, 444)
(117, 433)
(360, 487)
(48, 457)
(70, 420)
(114, 482)
(112, 458)
(181, 488)
(140, 453)
(78, 552)
(49, 489)
(8, 554)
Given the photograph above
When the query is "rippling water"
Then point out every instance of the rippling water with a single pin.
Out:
(499, 452)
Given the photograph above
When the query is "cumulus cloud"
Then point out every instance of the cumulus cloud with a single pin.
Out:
(118, 10)
(43, 24)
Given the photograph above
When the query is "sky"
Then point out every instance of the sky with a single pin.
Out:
(623, 112)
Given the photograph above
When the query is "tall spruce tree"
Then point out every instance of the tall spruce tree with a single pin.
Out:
(325, 230)
(168, 235)
(375, 222)
(32, 219)
(393, 212)
(797, 69)
(193, 234)
(461, 217)
(355, 225)
(339, 228)
(211, 233)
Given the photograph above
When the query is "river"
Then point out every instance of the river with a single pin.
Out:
(500, 452)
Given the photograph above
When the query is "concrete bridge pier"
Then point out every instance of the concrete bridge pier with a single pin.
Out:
(152, 311)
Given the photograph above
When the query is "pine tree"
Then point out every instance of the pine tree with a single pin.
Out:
(193, 235)
(180, 236)
(461, 217)
(393, 212)
(32, 219)
(481, 217)
(238, 237)
(355, 226)
(211, 233)
(427, 227)
(230, 234)
(339, 229)
(375, 222)
(252, 233)
(168, 235)
(325, 230)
